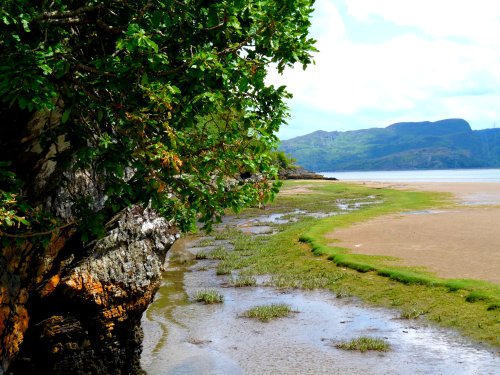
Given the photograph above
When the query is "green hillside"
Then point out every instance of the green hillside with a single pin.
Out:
(442, 144)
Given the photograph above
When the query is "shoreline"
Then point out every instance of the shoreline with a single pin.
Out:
(460, 242)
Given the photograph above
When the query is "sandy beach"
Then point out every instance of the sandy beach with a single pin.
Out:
(460, 242)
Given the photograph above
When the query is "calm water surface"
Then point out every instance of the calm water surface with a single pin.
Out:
(443, 175)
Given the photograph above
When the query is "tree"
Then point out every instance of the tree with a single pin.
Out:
(166, 101)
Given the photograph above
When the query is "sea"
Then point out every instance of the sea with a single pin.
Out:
(441, 175)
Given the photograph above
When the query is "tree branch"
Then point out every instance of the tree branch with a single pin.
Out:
(247, 40)
(70, 13)
(213, 27)
(66, 21)
(29, 235)
(90, 69)
(108, 28)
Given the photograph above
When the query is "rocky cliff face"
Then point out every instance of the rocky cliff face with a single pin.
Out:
(70, 308)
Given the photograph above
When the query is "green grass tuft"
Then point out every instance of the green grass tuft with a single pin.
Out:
(475, 296)
(342, 292)
(205, 242)
(493, 307)
(208, 296)
(364, 344)
(298, 280)
(223, 268)
(242, 280)
(455, 285)
(219, 253)
(346, 261)
(201, 255)
(408, 277)
(265, 313)
(411, 313)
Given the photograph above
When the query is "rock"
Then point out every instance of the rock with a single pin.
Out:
(299, 173)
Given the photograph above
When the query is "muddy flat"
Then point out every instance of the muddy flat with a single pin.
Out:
(462, 242)
(184, 338)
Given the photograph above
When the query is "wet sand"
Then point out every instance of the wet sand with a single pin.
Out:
(184, 338)
(461, 242)
(181, 337)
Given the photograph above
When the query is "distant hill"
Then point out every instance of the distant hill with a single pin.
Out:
(444, 144)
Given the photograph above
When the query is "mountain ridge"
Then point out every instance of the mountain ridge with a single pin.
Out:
(443, 144)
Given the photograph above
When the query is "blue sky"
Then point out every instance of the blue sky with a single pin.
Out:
(385, 61)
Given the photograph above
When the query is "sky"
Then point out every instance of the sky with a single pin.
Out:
(387, 61)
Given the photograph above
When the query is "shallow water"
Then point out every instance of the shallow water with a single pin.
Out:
(257, 225)
(442, 175)
(191, 338)
(482, 199)
(423, 212)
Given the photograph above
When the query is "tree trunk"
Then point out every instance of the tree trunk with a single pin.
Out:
(66, 307)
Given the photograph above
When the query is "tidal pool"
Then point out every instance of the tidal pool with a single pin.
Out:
(182, 337)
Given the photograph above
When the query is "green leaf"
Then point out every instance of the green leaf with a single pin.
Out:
(23, 103)
(25, 24)
(65, 115)
(152, 45)
(46, 69)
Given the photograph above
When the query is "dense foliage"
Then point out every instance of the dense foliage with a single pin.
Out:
(283, 161)
(421, 145)
(166, 100)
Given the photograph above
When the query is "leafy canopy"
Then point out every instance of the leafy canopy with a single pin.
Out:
(165, 99)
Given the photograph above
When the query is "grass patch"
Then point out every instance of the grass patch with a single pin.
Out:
(230, 232)
(455, 285)
(344, 260)
(233, 262)
(223, 268)
(242, 280)
(477, 296)
(364, 344)
(343, 292)
(411, 313)
(494, 307)
(208, 296)
(408, 277)
(265, 313)
(296, 280)
(219, 253)
(201, 255)
(205, 242)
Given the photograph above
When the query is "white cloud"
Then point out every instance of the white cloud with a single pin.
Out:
(409, 76)
(476, 20)
(327, 22)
